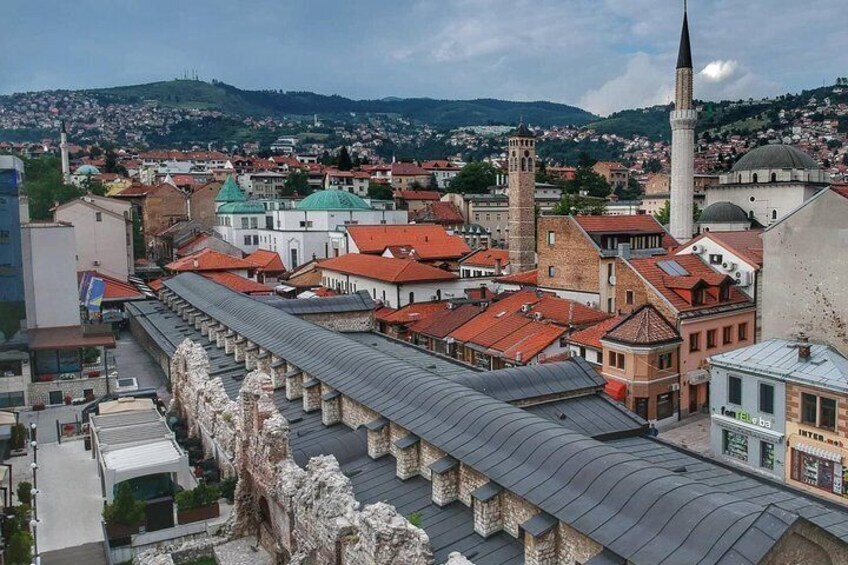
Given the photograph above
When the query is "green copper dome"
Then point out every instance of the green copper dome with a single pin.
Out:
(230, 192)
(332, 200)
(249, 207)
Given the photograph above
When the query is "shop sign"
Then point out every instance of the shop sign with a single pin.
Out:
(816, 436)
(748, 418)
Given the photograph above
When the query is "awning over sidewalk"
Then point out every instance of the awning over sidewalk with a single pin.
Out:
(68, 337)
(616, 390)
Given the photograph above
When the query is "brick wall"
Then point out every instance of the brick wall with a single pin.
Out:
(574, 258)
(627, 279)
(163, 207)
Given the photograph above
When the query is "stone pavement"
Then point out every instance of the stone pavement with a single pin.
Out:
(243, 551)
(692, 433)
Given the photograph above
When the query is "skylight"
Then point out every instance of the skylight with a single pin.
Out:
(672, 268)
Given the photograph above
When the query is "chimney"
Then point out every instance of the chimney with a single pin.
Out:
(195, 263)
(498, 267)
(624, 250)
(803, 348)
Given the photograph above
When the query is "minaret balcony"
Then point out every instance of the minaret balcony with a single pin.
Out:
(683, 118)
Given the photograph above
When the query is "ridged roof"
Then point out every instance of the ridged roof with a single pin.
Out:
(644, 327)
(247, 207)
(230, 192)
(777, 156)
(332, 200)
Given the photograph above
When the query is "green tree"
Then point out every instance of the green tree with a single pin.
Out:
(588, 181)
(19, 548)
(575, 204)
(24, 492)
(474, 178)
(139, 251)
(663, 215)
(380, 192)
(343, 160)
(45, 188)
(125, 510)
(297, 183)
(111, 164)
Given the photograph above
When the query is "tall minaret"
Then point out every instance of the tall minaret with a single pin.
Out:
(63, 149)
(683, 120)
(522, 200)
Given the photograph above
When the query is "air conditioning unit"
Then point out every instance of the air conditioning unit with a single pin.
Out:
(743, 278)
(537, 316)
(698, 249)
(728, 265)
(95, 263)
(525, 308)
(674, 387)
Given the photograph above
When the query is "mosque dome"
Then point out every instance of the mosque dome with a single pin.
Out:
(723, 213)
(775, 157)
(332, 200)
(87, 170)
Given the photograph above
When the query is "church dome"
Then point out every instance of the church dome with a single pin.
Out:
(723, 213)
(87, 170)
(332, 200)
(775, 157)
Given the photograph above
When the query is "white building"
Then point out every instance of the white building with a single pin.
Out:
(766, 184)
(102, 234)
(50, 281)
(356, 182)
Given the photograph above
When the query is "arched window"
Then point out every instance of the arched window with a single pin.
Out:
(774, 177)
(754, 177)
(739, 178)
(774, 214)
(438, 294)
(523, 164)
(530, 165)
(412, 298)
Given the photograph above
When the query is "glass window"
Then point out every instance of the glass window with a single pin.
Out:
(734, 390)
(808, 409)
(642, 408)
(665, 360)
(244, 223)
(735, 445)
(695, 342)
(665, 406)
(766, 398)
(628, 297)
(827, 413)
(711, 338)
(551, 271)
(742, 331)
(767, 455)
(715, 259)
(551, 237)
(726, 335)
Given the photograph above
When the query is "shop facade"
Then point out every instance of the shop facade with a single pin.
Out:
(817, 462)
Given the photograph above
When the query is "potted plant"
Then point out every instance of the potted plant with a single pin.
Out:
(123, 517)
(24, 493)
(199, 503)
(18, 440)
(38, 406)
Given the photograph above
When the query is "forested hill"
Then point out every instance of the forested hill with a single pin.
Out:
(438, 113)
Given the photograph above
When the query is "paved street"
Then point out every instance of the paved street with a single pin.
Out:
(692, 433)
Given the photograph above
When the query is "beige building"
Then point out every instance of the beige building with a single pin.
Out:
(804, 276)
(614, 173)
(102, 234)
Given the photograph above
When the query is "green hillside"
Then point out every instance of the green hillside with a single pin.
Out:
(439, 113)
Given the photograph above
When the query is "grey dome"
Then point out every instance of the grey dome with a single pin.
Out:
(775, 157)
(723, 213)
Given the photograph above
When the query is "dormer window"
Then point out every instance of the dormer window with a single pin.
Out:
(697, 296)
(724, 293)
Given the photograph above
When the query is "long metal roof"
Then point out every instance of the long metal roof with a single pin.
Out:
(357, 302)
(640, 511)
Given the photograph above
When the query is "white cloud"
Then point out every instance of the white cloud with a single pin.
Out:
(718, 71)
(645, 82)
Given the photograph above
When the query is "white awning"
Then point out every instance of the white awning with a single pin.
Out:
(160, 456)
(7, 418)
(819, 452)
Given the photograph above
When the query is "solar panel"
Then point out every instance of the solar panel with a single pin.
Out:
(672, 268)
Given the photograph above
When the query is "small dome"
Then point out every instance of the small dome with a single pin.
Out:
(332, 200)
(87, 170)
(723, 213)
(775, 157)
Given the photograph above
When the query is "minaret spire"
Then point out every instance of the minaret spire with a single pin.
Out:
(683, 119)
(684, 55)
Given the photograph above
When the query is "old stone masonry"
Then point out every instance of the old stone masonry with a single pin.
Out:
(300, 515)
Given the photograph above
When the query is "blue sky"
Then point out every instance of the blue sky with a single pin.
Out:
(602, 55)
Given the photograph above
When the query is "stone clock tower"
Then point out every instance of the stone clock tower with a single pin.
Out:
(522, 200)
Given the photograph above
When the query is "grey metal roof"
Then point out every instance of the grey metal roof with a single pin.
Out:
(432, 363)
(723, 212)
(357, 302)
(770, 495)
(776, 156)
(640, 511)
(778, 358)
(450, 528)
(595, 415)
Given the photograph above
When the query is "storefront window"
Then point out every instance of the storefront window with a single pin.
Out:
(642, 407)
(735, 445)
(767, 455)
(665, 406)
(816, 472)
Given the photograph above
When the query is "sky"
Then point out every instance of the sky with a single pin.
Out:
(600, 55)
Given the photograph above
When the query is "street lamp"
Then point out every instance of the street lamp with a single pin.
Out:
(34, 522)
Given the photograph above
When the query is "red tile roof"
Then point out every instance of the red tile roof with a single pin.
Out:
(324, 292)
(156, 285)
(385, 268)
(417, 195)
(135, 190)
(649, 269)
(525, 344)
(527, 278)
(747, 245)
(591, 336)
(407, 170)
(116, 289)
(430, 242)
(439, 164)
(840, 189)
(238, 283)
(644, 326)
(445, 213)
(439, 325)
(209, 260)
(267, 261)
(411, 312)
(642, 223)
(487, 258)
(499, 329)
(567, 312)
(497, 310)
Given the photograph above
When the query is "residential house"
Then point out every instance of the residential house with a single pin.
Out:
(268, 265)
(409, 176)
(209, 260)
(641, 355)
(202, 206)
(415, 200)
(485, 263)
(442, 171)
(356, 182)
(804, 280)
(615, 174)
(586, 343)
(157, 206)
(428, 243)
(102, 234)
(440, 213)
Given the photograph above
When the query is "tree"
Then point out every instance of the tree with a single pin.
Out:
(588, 181)
(652, 165)
(380, 192)
(663, 215)
(139, 252)
(45, 188)
(474, 178)
(24, 492)
(575, 204)
(297, 183)
(111, 164)
(19, 548)
(343, 161)
(125, 510)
